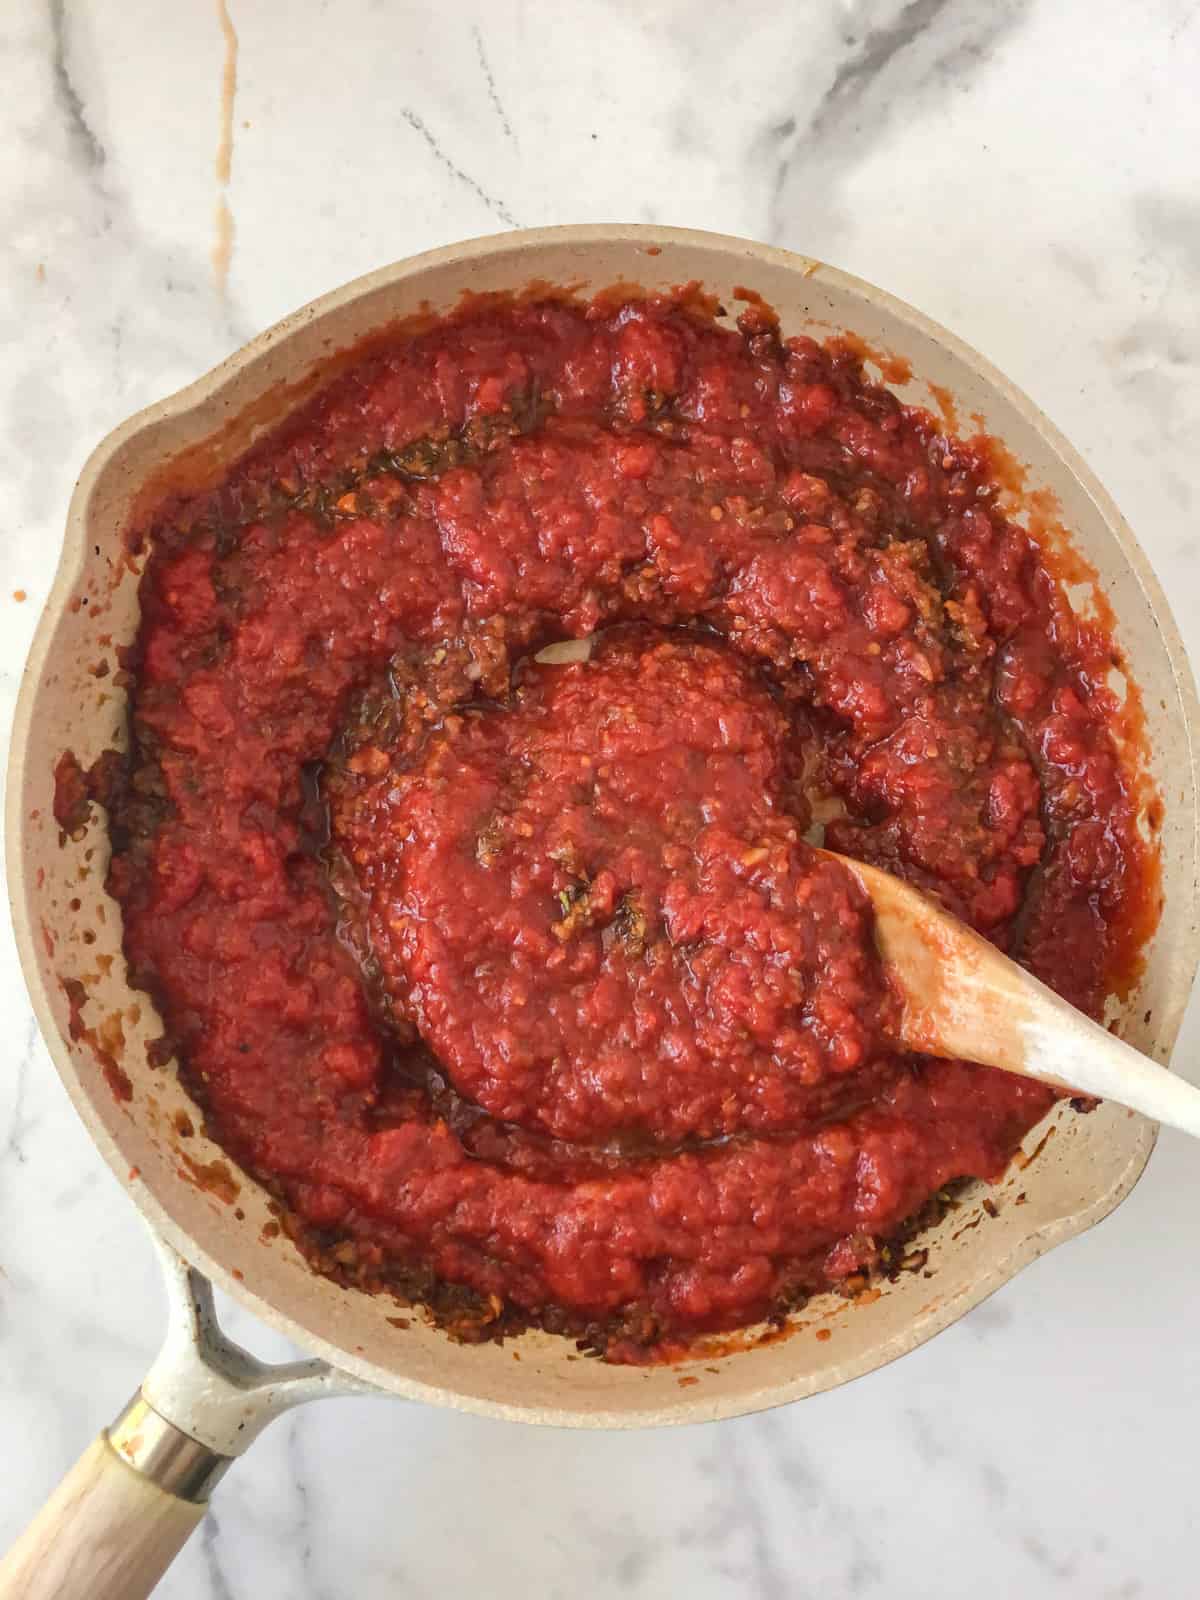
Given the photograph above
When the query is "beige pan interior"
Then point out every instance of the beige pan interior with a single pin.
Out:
(67, 927)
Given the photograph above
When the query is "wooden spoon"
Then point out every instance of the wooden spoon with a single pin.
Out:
(962, 998)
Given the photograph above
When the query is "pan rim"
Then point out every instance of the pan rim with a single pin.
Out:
(203, 392)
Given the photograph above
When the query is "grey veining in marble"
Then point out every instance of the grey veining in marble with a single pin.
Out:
(1024, 170)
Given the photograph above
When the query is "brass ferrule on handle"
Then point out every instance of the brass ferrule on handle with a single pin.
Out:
(171, 1459)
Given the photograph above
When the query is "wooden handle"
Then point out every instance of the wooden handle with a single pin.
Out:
(1063, 1046)
(962, 998)
(106, 1533)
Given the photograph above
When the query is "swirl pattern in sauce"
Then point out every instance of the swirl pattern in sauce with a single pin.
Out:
(518, 982)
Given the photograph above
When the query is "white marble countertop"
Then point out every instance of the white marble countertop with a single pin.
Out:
(1023, 170)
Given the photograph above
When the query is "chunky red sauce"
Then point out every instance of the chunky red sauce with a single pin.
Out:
(597, 909)
(519, 981)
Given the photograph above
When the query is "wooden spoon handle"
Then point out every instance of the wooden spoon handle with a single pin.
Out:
(1065, 1047)
(961, 998)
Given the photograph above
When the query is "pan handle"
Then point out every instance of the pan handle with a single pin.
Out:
(119, 1517)
(133, 1499)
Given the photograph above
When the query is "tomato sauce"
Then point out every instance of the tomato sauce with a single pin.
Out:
(518, 979)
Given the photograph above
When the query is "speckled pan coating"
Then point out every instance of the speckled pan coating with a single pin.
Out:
(67, 927)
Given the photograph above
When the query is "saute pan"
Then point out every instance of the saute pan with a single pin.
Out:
(134, 1497)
